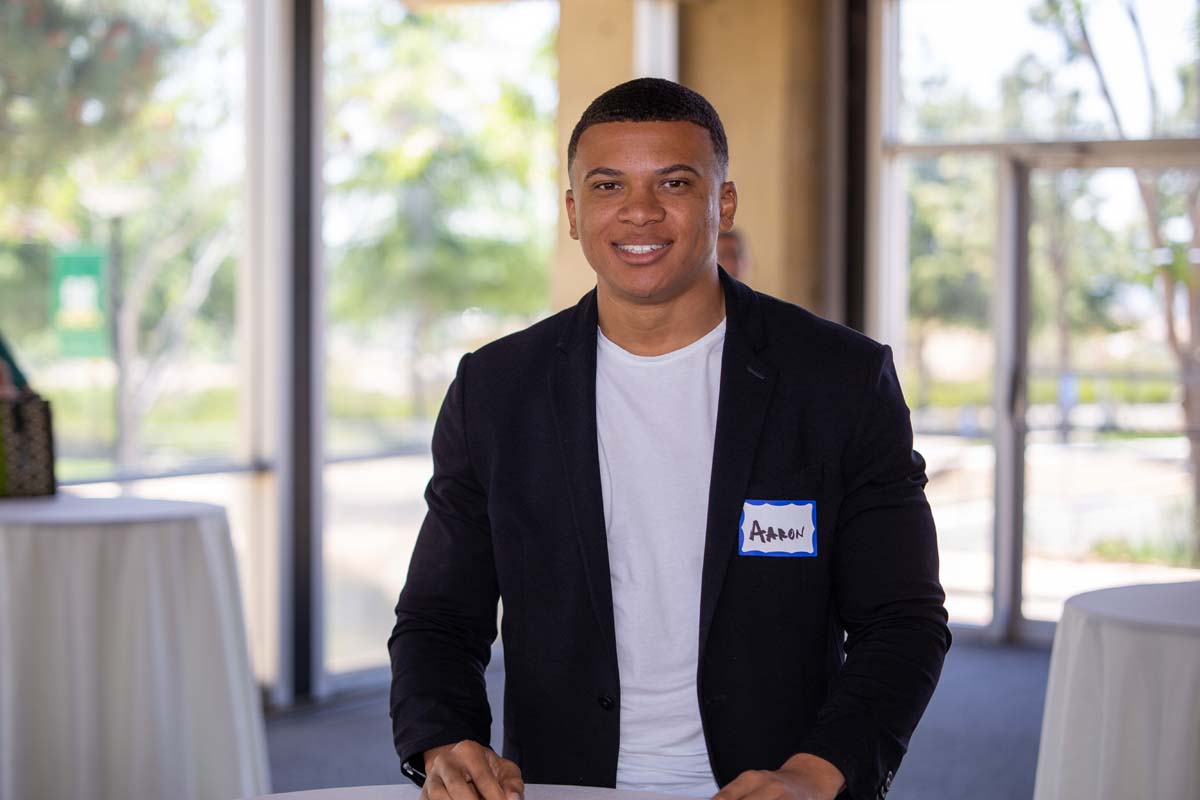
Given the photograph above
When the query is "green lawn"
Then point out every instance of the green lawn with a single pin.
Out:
(952, 394)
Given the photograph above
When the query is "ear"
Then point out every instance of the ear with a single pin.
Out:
(728, 205)
(571, 215)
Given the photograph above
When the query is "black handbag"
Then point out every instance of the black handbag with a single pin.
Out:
(26, 447)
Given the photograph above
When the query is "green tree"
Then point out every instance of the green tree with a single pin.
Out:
(950, 255)
(1162, 200)
(951, 241)
(71, 78)
(101, 147)
(1081, 262)
(450, 221)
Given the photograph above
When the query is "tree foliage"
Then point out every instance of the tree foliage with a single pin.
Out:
(121, 127)
(71, 78)
(446, 202)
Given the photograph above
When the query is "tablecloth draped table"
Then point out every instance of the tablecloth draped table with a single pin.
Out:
(1122, 716)
(124, 670)
(533, 791)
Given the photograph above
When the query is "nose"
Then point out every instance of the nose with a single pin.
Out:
(642, 207)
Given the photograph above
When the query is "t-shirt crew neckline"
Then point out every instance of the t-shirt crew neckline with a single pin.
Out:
(615, 349)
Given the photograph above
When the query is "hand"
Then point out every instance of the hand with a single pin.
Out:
(469, 771)
(802, 777)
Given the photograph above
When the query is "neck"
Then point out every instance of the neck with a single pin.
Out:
(652, 329)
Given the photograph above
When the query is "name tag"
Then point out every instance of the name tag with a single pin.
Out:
(781, 528)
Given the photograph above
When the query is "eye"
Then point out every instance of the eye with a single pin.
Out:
(675, 183)
(606, 186)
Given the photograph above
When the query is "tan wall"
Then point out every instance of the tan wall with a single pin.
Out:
(595, 52)
(760, 63)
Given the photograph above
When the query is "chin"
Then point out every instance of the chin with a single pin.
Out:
(647, 292)
(641, 282)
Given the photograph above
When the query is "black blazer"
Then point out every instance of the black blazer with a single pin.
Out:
(835, 655)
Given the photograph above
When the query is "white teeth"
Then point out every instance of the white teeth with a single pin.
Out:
(639, 249)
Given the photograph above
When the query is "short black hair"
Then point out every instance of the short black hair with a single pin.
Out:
(653, 100)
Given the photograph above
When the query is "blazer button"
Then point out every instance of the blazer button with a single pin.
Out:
(606, 702)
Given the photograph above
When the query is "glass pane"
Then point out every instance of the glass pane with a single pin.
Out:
(440, 212)
(947, 364)
(120, 185)
(373, 511)
(1110, 477)
(1040, 69)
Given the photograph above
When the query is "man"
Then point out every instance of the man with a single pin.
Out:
(699, 505)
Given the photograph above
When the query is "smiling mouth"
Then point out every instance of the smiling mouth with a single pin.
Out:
(641, 249)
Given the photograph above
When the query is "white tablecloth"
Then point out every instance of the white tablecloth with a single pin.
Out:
(124, 670)
(1122, 717)
(409, 792)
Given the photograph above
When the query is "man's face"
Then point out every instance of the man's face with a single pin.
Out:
(646, 203)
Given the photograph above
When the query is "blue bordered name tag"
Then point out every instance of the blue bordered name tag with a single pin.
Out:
(778, 528)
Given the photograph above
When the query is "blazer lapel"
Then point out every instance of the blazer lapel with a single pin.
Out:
(746, 385)
(573, 389)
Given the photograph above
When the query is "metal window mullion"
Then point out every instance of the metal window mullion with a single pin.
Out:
(271, 545)
(202, 468)
(1010, 316)
(656, 39)
(1065, 154)
(303, 506)
(833, 243)
(1020, 390)
(254, 342)
(880, 259)
(888, 77)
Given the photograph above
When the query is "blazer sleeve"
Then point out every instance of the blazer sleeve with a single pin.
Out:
(887, 596)
(446, 614)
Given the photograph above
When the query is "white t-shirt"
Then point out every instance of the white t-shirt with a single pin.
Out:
(656, 421)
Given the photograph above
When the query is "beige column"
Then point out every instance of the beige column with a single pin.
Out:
(761, 64)
(595, 52)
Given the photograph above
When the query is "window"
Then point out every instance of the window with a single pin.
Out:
(440, 207)
(1040, 70)
(120, 201)
(123, 266)
(145, 274)
(1036, 190)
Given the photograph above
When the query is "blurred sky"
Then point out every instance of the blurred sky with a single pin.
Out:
(974, 43)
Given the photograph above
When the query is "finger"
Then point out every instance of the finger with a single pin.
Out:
(770, 791)
(454, 768)
(481, 767)
(458, 787)
(741, 787)
(434, 788)
(511, 780)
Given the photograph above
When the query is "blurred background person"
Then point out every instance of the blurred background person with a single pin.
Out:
(734, 255)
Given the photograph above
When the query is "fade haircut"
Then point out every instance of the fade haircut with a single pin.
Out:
(653, 100)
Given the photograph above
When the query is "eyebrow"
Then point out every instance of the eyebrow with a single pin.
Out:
(606, 171)
(609, 172)
(679, 168)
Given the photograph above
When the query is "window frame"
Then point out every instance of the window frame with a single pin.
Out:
(886, 293)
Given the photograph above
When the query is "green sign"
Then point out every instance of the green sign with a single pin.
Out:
(79, 303)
